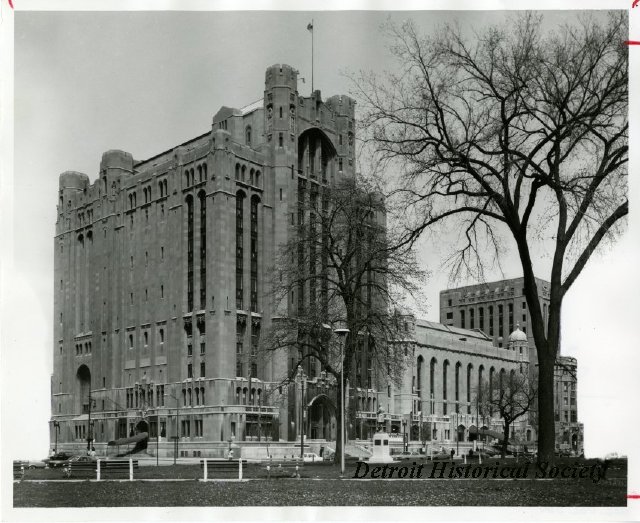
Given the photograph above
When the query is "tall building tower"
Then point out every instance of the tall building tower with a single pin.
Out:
(162, 277)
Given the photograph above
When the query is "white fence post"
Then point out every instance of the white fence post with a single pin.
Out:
(205, 469)
(130, 469)
(98, 471)
(240, 468)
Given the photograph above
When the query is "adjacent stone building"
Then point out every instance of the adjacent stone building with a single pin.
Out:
(495, 308)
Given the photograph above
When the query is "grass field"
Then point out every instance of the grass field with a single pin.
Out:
(319, 486)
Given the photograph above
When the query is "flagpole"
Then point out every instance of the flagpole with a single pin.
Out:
(312, 28)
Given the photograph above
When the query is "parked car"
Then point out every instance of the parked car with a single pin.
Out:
(37, 464)
(82, 459)
(441, 456)
(310, 457)
(58, 460)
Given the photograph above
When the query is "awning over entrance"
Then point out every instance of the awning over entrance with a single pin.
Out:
(486, 432)
(128, 441)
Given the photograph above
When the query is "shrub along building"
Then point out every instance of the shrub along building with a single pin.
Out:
(162, 295)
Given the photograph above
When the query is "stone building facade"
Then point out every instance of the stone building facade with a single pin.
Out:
(495, 308)
(162, 296)
(162, 275)
(437, 400)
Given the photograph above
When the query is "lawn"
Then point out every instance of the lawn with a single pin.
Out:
(320, 486)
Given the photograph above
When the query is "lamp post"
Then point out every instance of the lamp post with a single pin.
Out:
(404, 436)
(342, 333)
(177, 436)
(89, 424)
(302, 378)
(56, 429)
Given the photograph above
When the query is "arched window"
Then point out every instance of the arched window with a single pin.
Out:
(199, 168)
(251, 173)
(243, 171)
(197, 396)
(238, 395)
(445, 370)
(190, 235)
(254, 254)
(237, 172)
(257, 178)
(184, 397)
(204, 171)
(469, 371)
(146, 338)
(161, 335)
(419, 371)
(239, 250)
(131, 341)
(202, 395)
(457, 386)
(247, 135)
(190, 399)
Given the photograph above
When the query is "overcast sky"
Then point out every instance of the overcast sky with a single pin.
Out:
(144, 82)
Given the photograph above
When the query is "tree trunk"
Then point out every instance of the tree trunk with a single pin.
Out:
(505, 439)
(546, 415)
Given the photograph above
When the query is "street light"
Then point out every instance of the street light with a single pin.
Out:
(342, 333)
(302, 378)
(404, 435)
(56, 429)
(176, 438)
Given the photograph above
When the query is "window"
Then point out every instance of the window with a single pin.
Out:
(146, 338)
(131, 341)
(472, 318)
(449, 315)
(202, 347)
(280, 140)
(162, 291)
(189, 370)
(462, 319)
(202, 369)
(197, 428)
(247, 135)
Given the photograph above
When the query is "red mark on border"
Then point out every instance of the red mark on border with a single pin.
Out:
(632, 42)
(633, 496)
(11, 3)
(635, 3)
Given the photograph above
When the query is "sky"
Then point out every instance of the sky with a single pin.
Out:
(86, 82)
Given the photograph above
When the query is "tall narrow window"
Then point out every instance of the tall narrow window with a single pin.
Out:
(491, 320)
(239, 250)
(203, 250)
(254, 254)
(481, 318)
(510, 318)
(189, 253)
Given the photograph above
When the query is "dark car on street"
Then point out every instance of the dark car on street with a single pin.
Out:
(58, 460)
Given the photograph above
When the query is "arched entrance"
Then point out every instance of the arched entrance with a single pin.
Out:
(142, 426)
(473, 433)
(461, 429)
(321, 422)
(315, 154)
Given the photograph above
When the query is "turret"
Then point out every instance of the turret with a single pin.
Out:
(114, 165)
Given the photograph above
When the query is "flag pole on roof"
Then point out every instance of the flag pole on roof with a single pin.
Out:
(310, 28)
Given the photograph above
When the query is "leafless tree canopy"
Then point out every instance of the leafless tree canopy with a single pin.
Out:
(518, 132)
(511, 397)
(342, 268)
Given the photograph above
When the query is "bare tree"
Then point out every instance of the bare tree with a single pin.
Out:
(510, 400)
(516, 133)
(340, 269)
